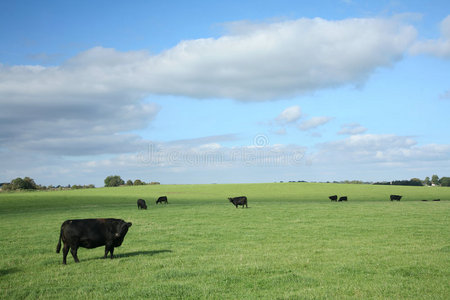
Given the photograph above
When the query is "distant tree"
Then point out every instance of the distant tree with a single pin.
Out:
(138, 182)
(7, 187)
(416, 181)
(113, 180)
(129, 182)
(445, 181)
(23, 184)
(17, 184)
(435, 179)
(382, 183)
(427, 181)
(29, 184)
(413, 182)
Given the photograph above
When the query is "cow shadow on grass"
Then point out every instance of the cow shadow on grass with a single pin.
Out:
(128, 254)
(137, 253)
(4, 272)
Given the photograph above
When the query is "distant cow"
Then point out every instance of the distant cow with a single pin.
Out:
(242, 200)
(141, 204)
(162, 199)
(343, 198)
(396, 197)
(333, 198)
(436, 199)
(91, 233)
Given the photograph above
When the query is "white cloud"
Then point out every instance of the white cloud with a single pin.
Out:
(439, 47)
(281, 131)
(373, 142)
(378, 148)
(205, 160)
(314, 122)
(256, 62)
(71, 128)
(290, 115)
(352, 128)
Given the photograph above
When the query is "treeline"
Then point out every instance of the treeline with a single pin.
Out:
(434, 181)
(116, 180)
(29, 184)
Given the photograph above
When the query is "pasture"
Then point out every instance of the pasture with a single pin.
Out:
(291, 243)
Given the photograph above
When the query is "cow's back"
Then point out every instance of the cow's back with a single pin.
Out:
(88, 233)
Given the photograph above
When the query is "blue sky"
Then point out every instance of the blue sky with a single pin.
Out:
(208, 92)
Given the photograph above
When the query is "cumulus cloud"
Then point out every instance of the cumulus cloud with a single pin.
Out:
(212, 155)
(439, 47)
(314, 122)
(381, 149)
(289, 115)
(256, 62)
(73, 128)
(352, 128)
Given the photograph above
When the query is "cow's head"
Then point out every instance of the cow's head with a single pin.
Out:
(121, 232)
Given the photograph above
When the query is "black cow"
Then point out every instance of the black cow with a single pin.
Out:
(333, 198)
(242, 200)
(343, 198)
(162, 199)
(395, 197)
(436, 199)
(141, 204)
(91, 233)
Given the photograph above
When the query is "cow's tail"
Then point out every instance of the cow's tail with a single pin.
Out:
(58, 247)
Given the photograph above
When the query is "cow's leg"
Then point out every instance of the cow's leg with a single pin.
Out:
(65, 252)
(109, 249)
(73, 250)
(106, 251)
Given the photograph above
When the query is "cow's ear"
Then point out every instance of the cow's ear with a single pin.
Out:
(129, 224)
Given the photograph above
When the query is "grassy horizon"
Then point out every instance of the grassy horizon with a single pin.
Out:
(291, 242)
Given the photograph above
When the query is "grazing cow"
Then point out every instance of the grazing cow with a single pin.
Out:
(396, 197)
(424, 200)
(343, 198)
(242, 200)
(91, 233)
(141, 204)
(436, 199)
(333, 198)
(162, 199)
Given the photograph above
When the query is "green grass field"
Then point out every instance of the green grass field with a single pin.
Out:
(291, 243)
